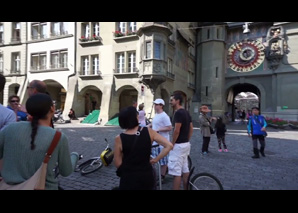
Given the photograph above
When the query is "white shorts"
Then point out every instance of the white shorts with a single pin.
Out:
(178, 163)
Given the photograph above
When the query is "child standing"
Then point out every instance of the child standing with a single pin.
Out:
(221, 129)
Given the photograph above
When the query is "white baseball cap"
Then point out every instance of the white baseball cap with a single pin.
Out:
(159, 101)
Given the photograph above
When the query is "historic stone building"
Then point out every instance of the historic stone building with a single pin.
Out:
(258, 57)
(107, 65)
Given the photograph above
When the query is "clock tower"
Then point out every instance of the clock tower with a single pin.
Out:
(211, 66)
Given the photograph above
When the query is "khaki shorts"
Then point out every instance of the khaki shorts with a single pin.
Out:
(178, 163)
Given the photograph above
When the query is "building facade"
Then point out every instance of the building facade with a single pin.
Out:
(13, 53)
(107, 65)
(260, 58)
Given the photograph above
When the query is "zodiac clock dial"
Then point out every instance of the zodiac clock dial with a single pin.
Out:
(246, 56)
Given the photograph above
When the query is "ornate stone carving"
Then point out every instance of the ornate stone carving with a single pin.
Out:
(276, 46)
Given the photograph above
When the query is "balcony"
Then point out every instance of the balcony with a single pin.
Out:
(38, 68)
(38, 37)
(87, 41)
(191, 85)
(170, 75)
(90, 74)
(15, 72)
(120, 36)
(58, 34)
(15, 40)
(126, 73)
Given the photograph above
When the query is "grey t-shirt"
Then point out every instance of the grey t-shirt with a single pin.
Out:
(7, 116)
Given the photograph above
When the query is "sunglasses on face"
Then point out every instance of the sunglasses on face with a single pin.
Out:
(14, 101)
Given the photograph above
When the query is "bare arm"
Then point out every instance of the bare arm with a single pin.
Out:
(176, 132)
(118, 152)
(161, 141)
(165, 129)
(190, 131)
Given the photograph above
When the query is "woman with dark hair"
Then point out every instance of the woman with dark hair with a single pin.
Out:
(221, 129)
(132, 152)
(23, 145)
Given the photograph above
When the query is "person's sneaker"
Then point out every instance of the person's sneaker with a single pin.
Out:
(226, 150)
(220, 150)
(204, 153)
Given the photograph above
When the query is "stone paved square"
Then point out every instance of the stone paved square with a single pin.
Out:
(236, 169)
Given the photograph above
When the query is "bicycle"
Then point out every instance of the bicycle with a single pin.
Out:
(202, 181)
(95, 163)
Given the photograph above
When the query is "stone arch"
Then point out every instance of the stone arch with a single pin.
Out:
(247, 86)
(92, 99)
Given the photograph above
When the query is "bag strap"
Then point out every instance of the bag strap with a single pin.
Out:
(52, 147)
(257, 120)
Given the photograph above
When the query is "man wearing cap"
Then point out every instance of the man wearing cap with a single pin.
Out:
(162, 124)
(256, 128)
(205, 124)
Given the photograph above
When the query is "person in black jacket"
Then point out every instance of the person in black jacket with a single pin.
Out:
(221, 129)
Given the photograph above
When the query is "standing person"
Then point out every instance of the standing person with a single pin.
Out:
(142, 115)
(36, 87)
(183, 129)
(161, 123)
(256, 128)
(14, 105)
(132, 152)
(135, 104)
(6, 115)
(205, 125)
(23, 145)
(221, 129)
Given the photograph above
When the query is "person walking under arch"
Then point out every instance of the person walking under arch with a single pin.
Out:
(256, 128)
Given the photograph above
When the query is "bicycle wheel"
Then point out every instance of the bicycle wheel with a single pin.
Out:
(92, 167)
(205, 181)
(189, 162)
(85, 163)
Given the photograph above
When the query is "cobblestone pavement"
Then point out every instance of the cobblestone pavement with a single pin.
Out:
(236, 169)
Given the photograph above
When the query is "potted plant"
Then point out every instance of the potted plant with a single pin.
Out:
(83, 39)
(128, 33)
(277, 123)
(293, 124)
(118, 33)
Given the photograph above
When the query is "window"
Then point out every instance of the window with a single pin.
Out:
(132, 62)
(1, 33)
(120, 62)
(39, 61)
(16, 31)
(59, 59)
(122, 27)
(157, 50)
(216, 72)
(208, 33)
(207, 91)
(126, 28)
(85, 63)
(95, 65)
(148, 49)
(1, 63)
(39, 30)
(217, 33)
(95, 28)
(191, 79)
(170, 65)
(85, 30)
(56, 28)
(16, 62)
(132, 26)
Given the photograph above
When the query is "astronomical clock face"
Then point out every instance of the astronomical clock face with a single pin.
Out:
(246, 56)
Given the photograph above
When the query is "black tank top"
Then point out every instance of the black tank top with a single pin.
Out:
(136, 158)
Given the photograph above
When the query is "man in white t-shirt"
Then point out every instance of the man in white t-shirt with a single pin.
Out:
(162, 124)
